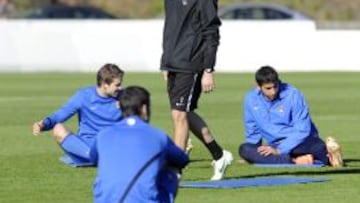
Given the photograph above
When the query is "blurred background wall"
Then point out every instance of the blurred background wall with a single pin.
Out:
(329, 41)
(84, 45)
(320, 10)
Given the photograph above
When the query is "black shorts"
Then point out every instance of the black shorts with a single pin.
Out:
(184, 90)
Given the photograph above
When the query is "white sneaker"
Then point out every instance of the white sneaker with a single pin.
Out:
(189, 147)
(334, 152)
(221, 165)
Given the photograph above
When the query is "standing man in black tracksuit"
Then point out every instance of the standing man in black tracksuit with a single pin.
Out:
(190, 41)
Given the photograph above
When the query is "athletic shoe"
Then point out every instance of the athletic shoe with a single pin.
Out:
(221, 165)
(334, 152)
(189, 147)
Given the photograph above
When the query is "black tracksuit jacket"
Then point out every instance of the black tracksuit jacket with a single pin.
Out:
(191, 35)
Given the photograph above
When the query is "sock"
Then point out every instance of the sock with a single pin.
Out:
(215, 150)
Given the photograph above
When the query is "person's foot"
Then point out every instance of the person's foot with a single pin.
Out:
(221, 165)
(334, 152)
(306, 159)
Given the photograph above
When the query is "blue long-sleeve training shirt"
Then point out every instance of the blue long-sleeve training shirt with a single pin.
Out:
(94, 112)
(284, 122)
(122, 150)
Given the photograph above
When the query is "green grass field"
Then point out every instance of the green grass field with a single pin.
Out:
(30, 170)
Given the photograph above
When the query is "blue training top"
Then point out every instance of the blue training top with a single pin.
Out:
(284, 122)
(122, 150)
(94, 112)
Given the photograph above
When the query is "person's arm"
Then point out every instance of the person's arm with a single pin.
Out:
(301, 127)
(210, 34)
(252, 131)
(175, 157)
(210, 31)
(59, 116)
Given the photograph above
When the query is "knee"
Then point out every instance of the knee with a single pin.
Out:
(60, 132)
(243, 150)
(179, 116)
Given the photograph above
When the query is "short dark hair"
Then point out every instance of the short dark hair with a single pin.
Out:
(132, 99)
(107, 73)
(266, 74)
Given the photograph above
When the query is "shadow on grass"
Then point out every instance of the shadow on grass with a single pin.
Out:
(200, 160)
(351, 167)
(347, 161)
(321, 171)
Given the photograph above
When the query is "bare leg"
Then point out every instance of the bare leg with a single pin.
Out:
(181, 128)
(60, 132)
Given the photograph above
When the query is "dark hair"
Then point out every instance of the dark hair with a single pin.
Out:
(266, 74)
(132, 99)
(108, 73)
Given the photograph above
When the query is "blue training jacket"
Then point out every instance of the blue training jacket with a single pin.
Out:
(284, 122)
(94, 112)
(121, 150)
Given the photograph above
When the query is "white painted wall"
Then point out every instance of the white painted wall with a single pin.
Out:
(135, 45)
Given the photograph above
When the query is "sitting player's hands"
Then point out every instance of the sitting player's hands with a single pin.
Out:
(37, 127)
(266, 150)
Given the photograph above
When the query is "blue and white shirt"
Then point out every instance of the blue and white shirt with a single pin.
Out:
(284, 122)
(94, 112)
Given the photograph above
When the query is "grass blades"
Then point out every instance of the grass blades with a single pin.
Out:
(30, 170)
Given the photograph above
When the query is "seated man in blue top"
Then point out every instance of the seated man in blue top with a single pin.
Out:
(133, 157)
(277, 112)
(96, 107)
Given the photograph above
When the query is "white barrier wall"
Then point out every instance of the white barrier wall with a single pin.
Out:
(61, 45)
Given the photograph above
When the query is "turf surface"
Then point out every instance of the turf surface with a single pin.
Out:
(30, 170)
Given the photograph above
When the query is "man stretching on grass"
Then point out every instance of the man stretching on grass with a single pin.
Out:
(277, 112)
(96, 107)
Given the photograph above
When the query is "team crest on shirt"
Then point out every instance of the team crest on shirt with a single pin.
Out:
(184, 2)
(281, 109)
